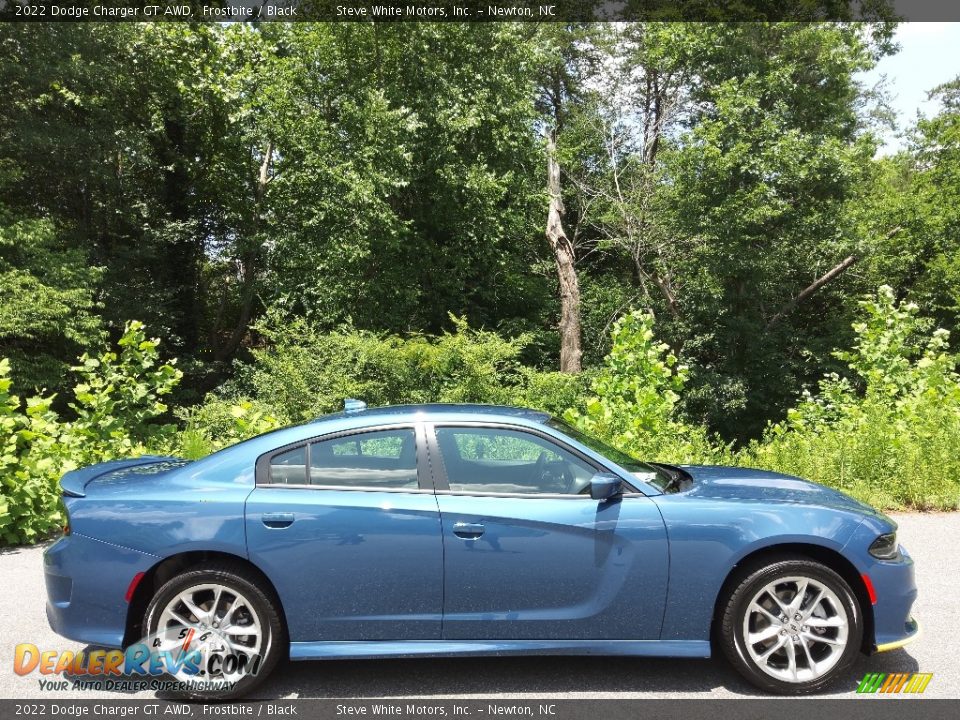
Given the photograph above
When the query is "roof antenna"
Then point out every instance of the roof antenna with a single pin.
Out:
(352, 405)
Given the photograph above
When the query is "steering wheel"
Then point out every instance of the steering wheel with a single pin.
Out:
(555, 473)
(540, 465)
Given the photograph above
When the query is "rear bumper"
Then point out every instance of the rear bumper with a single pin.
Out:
(87, 581)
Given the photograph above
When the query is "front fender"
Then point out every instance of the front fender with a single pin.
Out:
(709, 537)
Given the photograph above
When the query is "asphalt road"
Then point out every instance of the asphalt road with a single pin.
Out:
(931, 539)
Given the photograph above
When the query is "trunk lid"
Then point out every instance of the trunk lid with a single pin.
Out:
(75, 482)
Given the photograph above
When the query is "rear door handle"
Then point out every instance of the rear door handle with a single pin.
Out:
(277, 519)
(468, 531)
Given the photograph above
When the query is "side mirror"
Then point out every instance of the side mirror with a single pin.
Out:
(604, 486)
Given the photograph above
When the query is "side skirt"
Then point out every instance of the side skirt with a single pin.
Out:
(447, 648)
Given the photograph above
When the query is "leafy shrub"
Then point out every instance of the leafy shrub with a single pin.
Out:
(115, 407)
(119, 399)
(635, 396)
(553, 392)
(304, 373)
(887, 434)
(219, 423)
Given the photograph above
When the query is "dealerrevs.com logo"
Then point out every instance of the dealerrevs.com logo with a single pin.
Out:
(888, 683)
(197, 662)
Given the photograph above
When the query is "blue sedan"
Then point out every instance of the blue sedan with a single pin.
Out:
(442, 530)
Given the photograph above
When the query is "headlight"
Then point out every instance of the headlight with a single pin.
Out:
(885, 547)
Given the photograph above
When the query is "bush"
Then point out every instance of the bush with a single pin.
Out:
(115, 406)
(304, 373)
(888, 434)
(635, 396)
(219, 423)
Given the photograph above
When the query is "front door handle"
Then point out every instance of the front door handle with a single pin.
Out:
(277, 519)
(468, 531)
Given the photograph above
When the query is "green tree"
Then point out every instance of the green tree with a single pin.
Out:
(885, 429)
(408, 187)
(47, 302)
(737, 223)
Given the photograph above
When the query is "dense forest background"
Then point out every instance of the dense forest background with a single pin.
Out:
(679, 235)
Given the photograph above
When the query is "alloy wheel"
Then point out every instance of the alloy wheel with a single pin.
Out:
(216, 620)
(796, 629)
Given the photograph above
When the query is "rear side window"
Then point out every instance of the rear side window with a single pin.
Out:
(289, 468)
(381, 459)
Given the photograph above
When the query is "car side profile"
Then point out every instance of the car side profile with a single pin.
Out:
(444, 530)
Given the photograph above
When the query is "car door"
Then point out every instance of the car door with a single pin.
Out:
(528, 555)
(347, 528)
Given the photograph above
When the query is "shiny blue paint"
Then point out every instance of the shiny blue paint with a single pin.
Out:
(893, 581)
(447, 648)
(394, 573)
(176, 508)
(362, 565)
(553, 568)
(709, 537)
(74, 483)
(86, 582)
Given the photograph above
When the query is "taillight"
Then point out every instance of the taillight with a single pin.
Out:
(62, 506)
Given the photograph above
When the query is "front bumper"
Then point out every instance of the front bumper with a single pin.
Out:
(913, 630)
(87, 581)
(896, 590)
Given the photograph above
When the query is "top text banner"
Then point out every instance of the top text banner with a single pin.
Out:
(476, 10)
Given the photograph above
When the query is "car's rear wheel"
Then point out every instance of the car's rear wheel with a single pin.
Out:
(227, 620)
(791, 625)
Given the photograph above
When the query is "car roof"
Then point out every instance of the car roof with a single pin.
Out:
(371, 417)
(439, 411)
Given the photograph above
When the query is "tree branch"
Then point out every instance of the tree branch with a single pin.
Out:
(820, 282)
(811, 289)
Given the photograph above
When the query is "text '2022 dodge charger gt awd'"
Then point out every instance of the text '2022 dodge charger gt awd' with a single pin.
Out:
(430, 530)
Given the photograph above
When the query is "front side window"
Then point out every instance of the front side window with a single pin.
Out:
(496, 460)
(381, 459)
(640, 470)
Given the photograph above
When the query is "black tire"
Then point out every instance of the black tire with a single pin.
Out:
(263, 602)
(740, 594)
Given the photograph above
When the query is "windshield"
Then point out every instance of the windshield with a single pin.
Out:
(642, 471)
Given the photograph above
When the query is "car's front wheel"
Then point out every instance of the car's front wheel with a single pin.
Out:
(791, 625)
(220, 629)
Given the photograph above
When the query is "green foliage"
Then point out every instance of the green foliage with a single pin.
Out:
(118, 398)
(888, 432)
(218, 423)
(306, 372)
(757, 200)
(114, 409)
(47, 308)
(635, 396)
(553, 392)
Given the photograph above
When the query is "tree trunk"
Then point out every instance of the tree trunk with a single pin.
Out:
(564, 257)
(248, 263)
